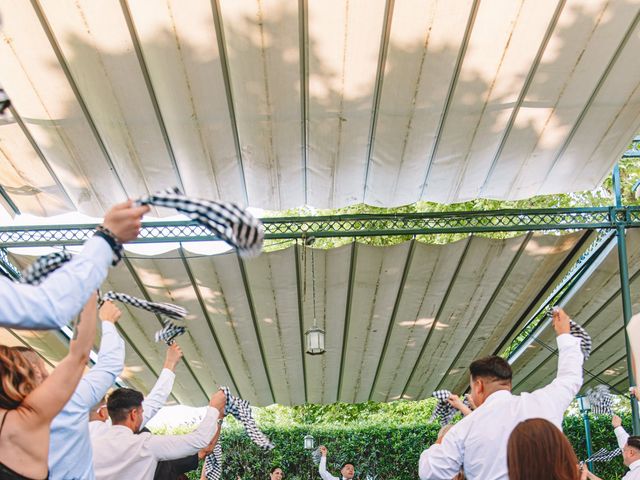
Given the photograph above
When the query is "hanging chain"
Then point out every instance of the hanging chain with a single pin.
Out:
(304, 271)
(313, 284)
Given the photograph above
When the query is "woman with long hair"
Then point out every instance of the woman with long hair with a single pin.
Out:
(29, 401)
(538, 450)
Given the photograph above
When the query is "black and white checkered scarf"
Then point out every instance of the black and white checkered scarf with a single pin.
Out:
(600, 399)
(35, 273)
(603, 455)
(241, 411)
(585, 339)
(164, 309)
(444, 411)
(166, 312)
(213, 464)
(230, 222)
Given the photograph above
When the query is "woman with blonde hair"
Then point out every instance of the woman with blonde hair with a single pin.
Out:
(29, 402)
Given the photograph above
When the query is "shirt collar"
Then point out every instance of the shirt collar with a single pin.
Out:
(495, 396)
(634, 465)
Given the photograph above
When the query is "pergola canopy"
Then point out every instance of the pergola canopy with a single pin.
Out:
(330, 103)
(327, 103)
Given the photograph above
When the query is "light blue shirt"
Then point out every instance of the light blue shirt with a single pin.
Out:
(60, 296)
(70, 455)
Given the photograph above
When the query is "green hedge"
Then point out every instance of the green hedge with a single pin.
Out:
(390, 453)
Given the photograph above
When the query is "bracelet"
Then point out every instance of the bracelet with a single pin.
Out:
(112, 240)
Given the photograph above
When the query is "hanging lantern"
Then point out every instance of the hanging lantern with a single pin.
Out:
(309, 442)
(584, 404)
(315, 340)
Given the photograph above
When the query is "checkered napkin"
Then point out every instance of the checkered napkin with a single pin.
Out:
(603, 455)
(233, 224)
(167, 311)
(213, 464)
(316, 456)
(35, 273)
(444, 411)
(585, 339)
(600, 399)
(169, 332)
(241, 410)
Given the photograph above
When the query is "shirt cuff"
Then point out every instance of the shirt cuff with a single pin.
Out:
(106, 326)
(566, 340)
(98, 251)
(166, 371)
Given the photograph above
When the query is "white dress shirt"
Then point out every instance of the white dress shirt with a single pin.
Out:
(634, 469)
(70, 454)
(60, 296)
(151, 404)
(322, 470)
(479, 441)
(121, 454)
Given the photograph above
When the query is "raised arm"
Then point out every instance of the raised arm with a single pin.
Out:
(444, 460)
(322, 468)
(94, 385)
(558, 395)
(62, 294)
(162, 389)
(46, 401)
(621, 434)
(170, 447)
(456, 402)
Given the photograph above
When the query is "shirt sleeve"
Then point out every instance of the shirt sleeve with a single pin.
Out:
(443, 461)
(622, 436)
(94, 385)
(170, 447)
(60, 296)
(322, 470)
(158, 395)
(558, 395)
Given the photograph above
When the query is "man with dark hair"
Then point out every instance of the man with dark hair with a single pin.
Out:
(347, 470)
(152, 403)
(120, 453)
(479, 441)
(630, 446)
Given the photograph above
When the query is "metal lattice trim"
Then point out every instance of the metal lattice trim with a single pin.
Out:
(351, 226)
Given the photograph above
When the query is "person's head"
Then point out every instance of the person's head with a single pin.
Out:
(125, 408)
(538, 449)
(17, 377)
(443, 431)
(32, 356)
(348, 470)
(99, 411)
(277, 473)
(631, 451)
(488, 375)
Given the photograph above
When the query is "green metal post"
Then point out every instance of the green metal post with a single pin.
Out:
(587, 434)
(626, 297)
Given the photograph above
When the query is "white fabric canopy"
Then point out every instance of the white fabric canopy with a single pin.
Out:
(400, 320)
(385, 103)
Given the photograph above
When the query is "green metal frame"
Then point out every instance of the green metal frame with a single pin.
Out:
(615, 219)
(358, 225)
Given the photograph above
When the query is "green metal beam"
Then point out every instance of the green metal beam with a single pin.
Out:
(207, 317)
(347, 317)
(300, 303)
(394, 313)
(358, 225)
(438, 314)
(625, 291)
(147, 297)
